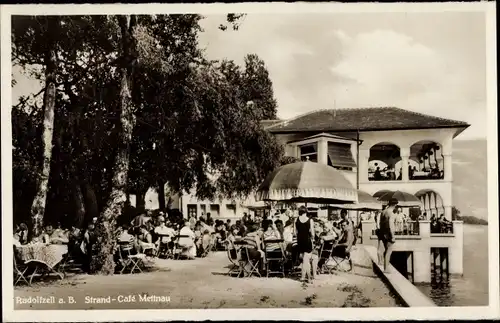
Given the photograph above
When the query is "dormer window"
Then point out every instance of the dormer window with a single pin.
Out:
(340, 156)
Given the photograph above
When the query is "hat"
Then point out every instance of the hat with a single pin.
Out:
(393, 201)
(161, 213)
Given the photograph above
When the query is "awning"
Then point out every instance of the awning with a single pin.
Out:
(340, 155)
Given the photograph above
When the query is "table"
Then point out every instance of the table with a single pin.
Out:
(43, 255)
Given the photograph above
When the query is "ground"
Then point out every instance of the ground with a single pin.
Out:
(203, 283)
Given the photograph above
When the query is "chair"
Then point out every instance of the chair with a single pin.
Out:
(341, 255)
(177, 247)
(210, 246)
(235, 267)
(274, 257)
(20, 269)
(164, 248)
(254, 266)
(128, 259)
(325, 255)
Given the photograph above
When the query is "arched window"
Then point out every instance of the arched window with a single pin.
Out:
(426, 161)
(382, 164)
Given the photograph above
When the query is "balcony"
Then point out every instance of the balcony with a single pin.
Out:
(415, 230)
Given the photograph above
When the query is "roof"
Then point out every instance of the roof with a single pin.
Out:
(268, 123)
(327, 135)
(363, 119)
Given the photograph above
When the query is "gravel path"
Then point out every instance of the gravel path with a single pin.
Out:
(203, 283)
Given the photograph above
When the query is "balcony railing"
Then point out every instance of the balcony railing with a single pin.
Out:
(409, 228)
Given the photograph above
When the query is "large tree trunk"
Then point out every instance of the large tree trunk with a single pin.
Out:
(161, 195)
(103, 250)
(49, 100)
(80, 207)
(92, 208)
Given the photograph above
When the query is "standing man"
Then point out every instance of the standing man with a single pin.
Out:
(387, 233)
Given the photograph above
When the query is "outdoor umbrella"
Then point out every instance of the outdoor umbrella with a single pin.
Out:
(380, 193)
(366, 202)
(404, 199)
(307, 182)
(260, 205)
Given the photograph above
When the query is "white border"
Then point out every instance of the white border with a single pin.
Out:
(491, 311)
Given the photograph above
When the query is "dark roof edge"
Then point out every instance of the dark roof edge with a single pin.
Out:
(278, 131)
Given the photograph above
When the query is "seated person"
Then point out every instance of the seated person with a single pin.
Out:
(139, 220)
(280, 227)
(270, 232)
(144, 240)
(58, 236)
(343, 249)
(186, 241)
(241, 228)
(164, 233)
(232, 235)
(125, 235)
(21, 234)
(444, 224)
(253, 246)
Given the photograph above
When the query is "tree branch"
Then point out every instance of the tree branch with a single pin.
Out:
(22, 102)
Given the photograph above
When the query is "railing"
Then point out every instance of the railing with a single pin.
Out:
(409, 228)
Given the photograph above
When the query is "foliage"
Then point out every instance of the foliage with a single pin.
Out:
(198, 121)
(467, 219)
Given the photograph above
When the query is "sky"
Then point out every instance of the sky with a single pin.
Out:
(433, 63)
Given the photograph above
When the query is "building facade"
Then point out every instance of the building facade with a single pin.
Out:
(375, 148)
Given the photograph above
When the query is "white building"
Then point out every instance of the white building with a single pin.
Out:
(376, 149)
(391, 139)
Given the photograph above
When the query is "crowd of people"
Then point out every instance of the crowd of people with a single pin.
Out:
(298, 239)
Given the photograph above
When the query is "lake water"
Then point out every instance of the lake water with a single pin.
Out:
(472, 288)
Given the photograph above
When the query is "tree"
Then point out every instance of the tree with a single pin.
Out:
(258, 87)
(48, 27)
(180, 121)
(103, 261)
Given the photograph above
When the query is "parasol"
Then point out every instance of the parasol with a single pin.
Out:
(260, 205)
(404, 199)
(307, 182)
(380, 193)
(366, 202)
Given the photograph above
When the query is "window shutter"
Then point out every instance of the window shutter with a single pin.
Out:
(340, 155)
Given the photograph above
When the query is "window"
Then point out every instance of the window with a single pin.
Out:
(203, 208)
(192, 211)
(340, 156)
(214, 211)
(309, 152)
(231, 209)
